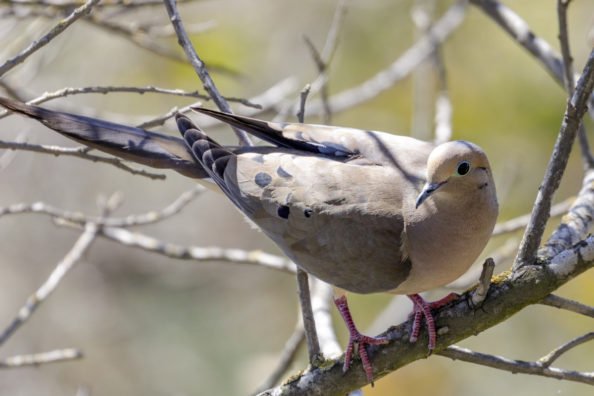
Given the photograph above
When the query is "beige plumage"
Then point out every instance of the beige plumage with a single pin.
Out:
(349, 217)
(365, 211)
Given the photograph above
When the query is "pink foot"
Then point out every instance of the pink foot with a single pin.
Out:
(355, 337)
(422, 309)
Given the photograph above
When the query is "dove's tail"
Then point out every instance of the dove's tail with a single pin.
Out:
(129, 143)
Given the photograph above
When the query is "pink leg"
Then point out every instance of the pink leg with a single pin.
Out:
(355, 337)
(423, 309)
(443, 301)
(416, 327)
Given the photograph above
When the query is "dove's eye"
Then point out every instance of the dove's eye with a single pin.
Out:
(463, 168)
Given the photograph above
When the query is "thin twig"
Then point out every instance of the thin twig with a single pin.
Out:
(518, 223)
(480, 293)
(266, 100)
(167, 30)
(71, 258)
(322, 67)
(287, 357)
(7, 156)
(131, 220)
(138, 37)
(400, 68)
(555, 354)
(553, 300)
(79, 152)
(515, 366)
(200, 67)
(568, 79)
(105, 4)
(562, 6)
(576, 108)
(11, 91)
(443, 103)
(519, 30)
(424, 92)
(322, 60)
(311, 335)
(48, 37)
(309, 324)
(64, 266)
(322, 304)
(37, 359)
(142, 38)
(321, 301)
(235, 256)
(423, 87)
(302, 100)
(327, 55)
(64, 92)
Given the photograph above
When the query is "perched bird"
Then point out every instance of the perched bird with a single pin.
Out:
(364, 211)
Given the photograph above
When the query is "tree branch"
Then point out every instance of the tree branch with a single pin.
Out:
(576, 108)
(480, 293)
(517, 223)
(309, 324)
(553, 300)
(562, 6)
(400, 68)
(214, 253)
(287, 357)
(266, 100)
(519, 30)
(508, 294)
(516, 366)
(131, 220)
(555, 354)
(576, 223)
(48, 37)
(64, 92)
(82, 152)
(63, 267)
(200, 67)
(37, 359)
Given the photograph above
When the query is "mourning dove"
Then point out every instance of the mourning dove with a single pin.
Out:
(364, 211)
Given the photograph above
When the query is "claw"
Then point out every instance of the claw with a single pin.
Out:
(356, 338)
(422, 309)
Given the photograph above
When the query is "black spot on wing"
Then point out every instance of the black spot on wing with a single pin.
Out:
(335, 150)
(283, 173)
(335, 201)
(263, 179)
(283, 211)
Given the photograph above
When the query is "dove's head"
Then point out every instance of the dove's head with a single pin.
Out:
(457, 169)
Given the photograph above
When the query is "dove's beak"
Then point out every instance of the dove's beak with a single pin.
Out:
(428, 189)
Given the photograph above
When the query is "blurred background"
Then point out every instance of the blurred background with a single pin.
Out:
(152, 325)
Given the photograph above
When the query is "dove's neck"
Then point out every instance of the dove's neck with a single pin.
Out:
(438, 257)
